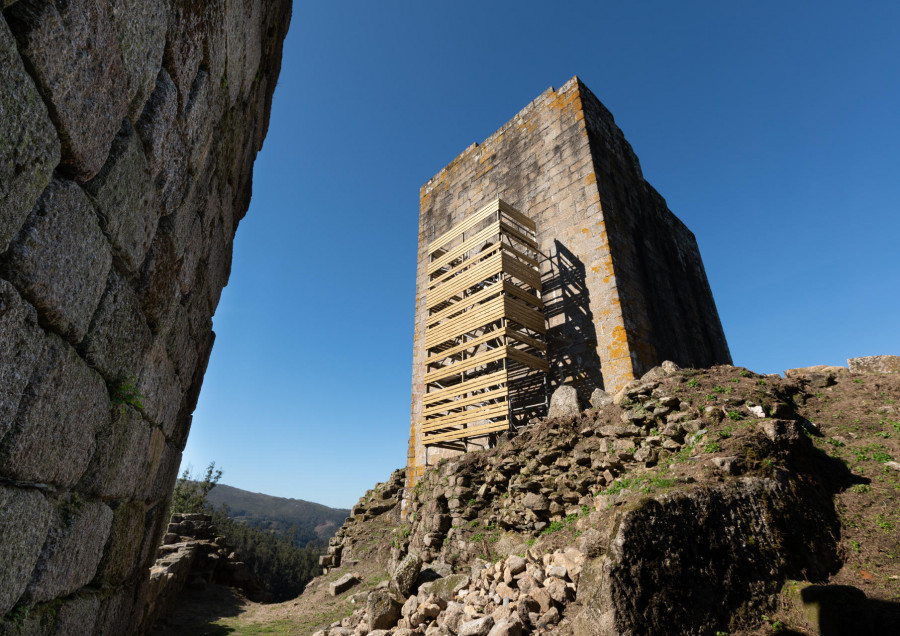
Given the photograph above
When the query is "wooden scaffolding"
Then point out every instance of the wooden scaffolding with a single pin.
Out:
(485, 333)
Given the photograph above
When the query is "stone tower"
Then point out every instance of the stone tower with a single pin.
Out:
(623, 283)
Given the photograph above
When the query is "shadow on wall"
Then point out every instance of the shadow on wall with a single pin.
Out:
(571, 337)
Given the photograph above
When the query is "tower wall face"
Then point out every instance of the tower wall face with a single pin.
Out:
(623, 282)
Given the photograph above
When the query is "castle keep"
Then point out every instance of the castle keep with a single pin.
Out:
(621, 283)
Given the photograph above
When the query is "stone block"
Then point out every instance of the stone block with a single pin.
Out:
(184, 47)
(23, 527)
(21, 345)
(77, 615)
(342, 584)
(72, 551)
(164, 481)
(160, 388)
(116, 614)
(160, 131)
(52, 438)
(181, 347)
(125, 451)
(60, 259)
(140, 27)
(126, 199)
(564, 402)
(118, 337)
(29, 147)
(235, 16)
(72, 51)
(120, 558)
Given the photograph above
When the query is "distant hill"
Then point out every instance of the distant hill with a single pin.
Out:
(300, 522)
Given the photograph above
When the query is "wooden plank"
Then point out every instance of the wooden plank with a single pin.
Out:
(531, 342)
(520, 255)
(527, 359)
(524, 273)
(511, 231)
(478, 431)
(474, 399)
(464, 265)
(491, 208)
(466, 417)
(520, 218)
(464, 303)
(478, 318)
(514, 290)
(477, 274)
(474, 342)
(524, 315)
(468, 364)
(464, 247)
(465, 387)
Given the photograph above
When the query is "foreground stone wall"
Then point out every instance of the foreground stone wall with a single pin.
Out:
(128, 131)
(624, 284)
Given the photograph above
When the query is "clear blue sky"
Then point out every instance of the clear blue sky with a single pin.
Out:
(772, 129)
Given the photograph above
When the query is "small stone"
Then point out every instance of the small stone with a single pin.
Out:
(670, 367)
(536, 503)
(478, 627)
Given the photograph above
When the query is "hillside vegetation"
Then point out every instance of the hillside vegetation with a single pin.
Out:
(294, 520)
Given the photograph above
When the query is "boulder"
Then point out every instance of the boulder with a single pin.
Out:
(600, 398)
(874, 364)
(446, 587)
(342, 584)
(406, 573)
(535, 502)
(383, 610)
(564, 402)
(477, 627)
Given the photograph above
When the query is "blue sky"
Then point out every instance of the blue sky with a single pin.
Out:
(771, 128)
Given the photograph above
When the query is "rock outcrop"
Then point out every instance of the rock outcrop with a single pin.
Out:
(691, 502)
(128, 131)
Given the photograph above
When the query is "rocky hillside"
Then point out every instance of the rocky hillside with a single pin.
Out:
(715, 501)
(291, 519)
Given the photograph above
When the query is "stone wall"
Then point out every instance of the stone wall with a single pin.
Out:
(624, 284)
(128, 131)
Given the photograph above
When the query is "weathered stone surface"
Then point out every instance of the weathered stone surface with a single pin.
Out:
(600, 398)
(160, 388)
(383, 609)
(789, 533)
(164, 143)
(77, 615)
(564, 402)
(118, 337)
(181, 348)
(73, 53)
(874, 364)
(52, 438)
(29, 147)
(342, 584)
(184, 47)
(24, 523)
(404, 576)
(537, 503)
(140, 27)
(477, 627)
(126, 199)
(121, 551)
(445, 587)
(21, 344)
(60, 260)
(127, 452)
(72, 551)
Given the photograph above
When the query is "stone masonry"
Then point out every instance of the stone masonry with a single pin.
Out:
(623, 280)
(128, 132)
